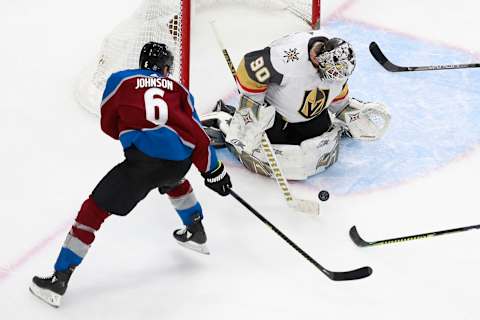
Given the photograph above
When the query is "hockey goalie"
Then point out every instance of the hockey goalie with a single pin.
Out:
(296, 92)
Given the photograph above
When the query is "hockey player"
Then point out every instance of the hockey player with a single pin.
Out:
(154, 118)
(299, 85)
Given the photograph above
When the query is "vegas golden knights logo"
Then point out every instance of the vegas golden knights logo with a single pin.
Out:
(314, 103)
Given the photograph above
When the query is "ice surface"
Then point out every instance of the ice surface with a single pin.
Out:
(421, 177)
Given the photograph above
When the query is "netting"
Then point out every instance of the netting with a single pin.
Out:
(154, 20)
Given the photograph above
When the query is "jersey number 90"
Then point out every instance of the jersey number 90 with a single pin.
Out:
(156, 109)
(261, 72)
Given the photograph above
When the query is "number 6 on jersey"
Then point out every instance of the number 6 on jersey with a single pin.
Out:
(156, 109)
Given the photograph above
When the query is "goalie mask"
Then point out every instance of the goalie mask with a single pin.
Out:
(336, 60)
(155, 56)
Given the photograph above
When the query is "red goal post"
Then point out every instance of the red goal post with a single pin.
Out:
(169, 22)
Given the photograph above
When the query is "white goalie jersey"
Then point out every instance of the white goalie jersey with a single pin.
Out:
(283, 76)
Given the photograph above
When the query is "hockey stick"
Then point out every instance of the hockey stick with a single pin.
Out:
(362, 243)
(302, 205)
(359, 273)
(380, 57)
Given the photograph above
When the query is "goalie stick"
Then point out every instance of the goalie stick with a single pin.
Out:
(302, 205)
(359, 241)
(359, 273)
(380, 57)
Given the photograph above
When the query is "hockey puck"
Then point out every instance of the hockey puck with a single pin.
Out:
(323, 195)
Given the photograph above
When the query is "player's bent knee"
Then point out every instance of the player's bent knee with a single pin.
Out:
(91, 214)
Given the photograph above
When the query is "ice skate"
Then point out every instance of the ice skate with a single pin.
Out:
(192, 237)
(51, 289)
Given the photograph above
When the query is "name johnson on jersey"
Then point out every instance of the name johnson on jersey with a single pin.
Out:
(152, 82)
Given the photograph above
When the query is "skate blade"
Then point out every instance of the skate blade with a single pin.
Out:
(200, 248)
(47, 296)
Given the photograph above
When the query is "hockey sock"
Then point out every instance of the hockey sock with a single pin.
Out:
(78, 241)
(185, 203)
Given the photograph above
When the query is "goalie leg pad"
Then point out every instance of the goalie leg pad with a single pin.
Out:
(290, 159)
(321, 152)
(252, 163)
(298, 162)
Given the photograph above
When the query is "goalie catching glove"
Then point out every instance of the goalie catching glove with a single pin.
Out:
(364, 120)
(218, 180)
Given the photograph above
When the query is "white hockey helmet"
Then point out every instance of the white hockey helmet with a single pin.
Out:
(336, 59)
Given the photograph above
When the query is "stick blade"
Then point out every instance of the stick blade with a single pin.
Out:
(377, 53)
(382, 60)
(357, 239)
(356, 274)
(305, 206)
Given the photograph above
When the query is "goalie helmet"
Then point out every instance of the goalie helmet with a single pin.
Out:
(155, 56)
(336, 59)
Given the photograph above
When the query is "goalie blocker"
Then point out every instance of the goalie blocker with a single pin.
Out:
(299, 155)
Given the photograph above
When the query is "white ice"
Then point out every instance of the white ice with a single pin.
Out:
(54, 153)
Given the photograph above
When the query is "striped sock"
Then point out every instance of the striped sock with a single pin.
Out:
(185, 203)
(78, 241)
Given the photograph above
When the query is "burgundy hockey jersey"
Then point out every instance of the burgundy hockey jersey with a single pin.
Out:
(155, 114)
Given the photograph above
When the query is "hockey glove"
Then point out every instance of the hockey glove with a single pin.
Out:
(248, 127)
(218, 180)
(364, 120)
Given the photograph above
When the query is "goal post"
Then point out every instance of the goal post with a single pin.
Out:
(315, 23)
(169, 22)
(186, 23)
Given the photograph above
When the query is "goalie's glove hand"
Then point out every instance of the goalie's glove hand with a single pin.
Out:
(364, 120)
(218, 180)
